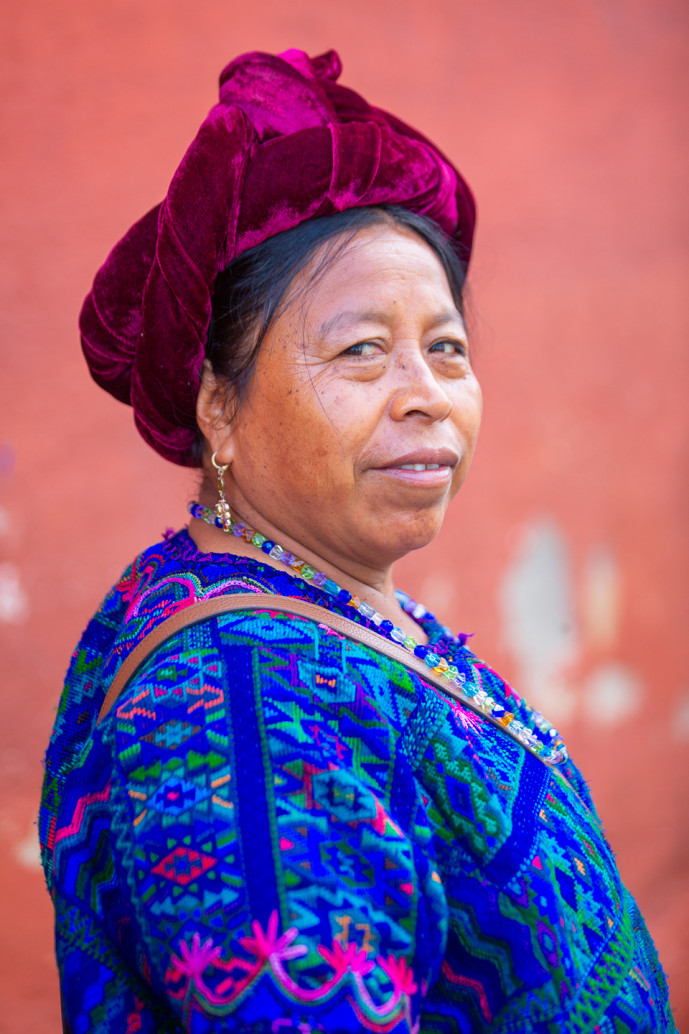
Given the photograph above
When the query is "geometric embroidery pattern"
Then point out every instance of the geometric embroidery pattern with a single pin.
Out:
(172, 734)
(183, 865)
(276, 828)
(176, 795)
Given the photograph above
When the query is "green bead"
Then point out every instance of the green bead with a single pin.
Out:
(258, 539)
(410, 642)
(308, 572)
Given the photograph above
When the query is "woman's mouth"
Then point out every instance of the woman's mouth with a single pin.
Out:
(429, 475)
(419, 466)
(428, 468)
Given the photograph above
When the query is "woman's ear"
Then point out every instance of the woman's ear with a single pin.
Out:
(213, 414)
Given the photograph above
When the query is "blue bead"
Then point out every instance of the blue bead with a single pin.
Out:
(267, 546)
(386, 626)
(331, 587)
(344, 596)
(420, 651)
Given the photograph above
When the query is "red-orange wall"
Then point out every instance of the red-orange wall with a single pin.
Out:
(568, 119)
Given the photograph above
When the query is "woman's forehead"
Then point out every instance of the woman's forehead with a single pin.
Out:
(380, 268)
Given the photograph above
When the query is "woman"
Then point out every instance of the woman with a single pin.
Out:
(304, 804)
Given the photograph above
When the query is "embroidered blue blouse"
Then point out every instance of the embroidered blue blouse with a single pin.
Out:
(279, 829)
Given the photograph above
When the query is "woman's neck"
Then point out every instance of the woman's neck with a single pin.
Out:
(377, 590)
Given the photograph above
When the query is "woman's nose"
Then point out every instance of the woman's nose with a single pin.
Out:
(418, 391)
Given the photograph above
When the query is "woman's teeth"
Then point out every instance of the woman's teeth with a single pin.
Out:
(419, 466)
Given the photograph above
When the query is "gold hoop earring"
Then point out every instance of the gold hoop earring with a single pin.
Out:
(222, 507)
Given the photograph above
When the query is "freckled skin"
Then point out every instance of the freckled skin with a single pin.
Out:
(369, 365)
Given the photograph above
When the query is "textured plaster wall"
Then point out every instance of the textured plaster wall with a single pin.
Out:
(566, 553)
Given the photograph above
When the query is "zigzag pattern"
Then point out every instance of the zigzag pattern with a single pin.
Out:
(276, 822)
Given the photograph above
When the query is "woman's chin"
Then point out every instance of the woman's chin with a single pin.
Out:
(412, 534)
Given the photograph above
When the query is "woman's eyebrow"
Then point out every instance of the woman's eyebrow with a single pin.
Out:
(446, 316)
(351, 317)
(355, 317)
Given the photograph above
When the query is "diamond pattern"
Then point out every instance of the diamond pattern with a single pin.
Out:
(183, 865)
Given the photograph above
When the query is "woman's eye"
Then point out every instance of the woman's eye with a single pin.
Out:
(449, 348)
(362, 348)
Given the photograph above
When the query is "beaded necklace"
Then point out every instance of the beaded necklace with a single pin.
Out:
(541, 739)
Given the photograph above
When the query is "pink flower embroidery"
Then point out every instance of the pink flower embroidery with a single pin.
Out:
(400, 974)
(349, 963)
(268, 946)
(343, 959)
(196, 959)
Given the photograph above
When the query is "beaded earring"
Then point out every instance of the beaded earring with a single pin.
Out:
(222, 507)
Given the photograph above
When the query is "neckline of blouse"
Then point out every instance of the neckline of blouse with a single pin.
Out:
(185, 550)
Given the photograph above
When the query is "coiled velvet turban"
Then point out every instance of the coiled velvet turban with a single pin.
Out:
(285, 143)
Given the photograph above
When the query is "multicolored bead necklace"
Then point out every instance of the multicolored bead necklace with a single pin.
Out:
(541, 739)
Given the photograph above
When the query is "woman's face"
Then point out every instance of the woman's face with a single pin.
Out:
(360, 421)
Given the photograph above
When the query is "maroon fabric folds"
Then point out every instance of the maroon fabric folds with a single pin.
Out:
(285, 143)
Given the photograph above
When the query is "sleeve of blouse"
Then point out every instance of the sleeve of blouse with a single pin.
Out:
(196, 795)
(576, 780)
(99, 993)
(101, 962)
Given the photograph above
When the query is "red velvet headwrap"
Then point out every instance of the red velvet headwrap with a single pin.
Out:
(284, 144)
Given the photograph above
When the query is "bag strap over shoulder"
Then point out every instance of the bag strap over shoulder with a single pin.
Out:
(216, 605)
(197, 612)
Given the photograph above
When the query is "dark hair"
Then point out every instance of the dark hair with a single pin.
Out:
(250, 290)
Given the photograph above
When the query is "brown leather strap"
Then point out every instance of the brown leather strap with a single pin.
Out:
(209, 608)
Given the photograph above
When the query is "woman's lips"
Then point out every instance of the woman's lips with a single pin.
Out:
(429, 476)
(428, 467)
